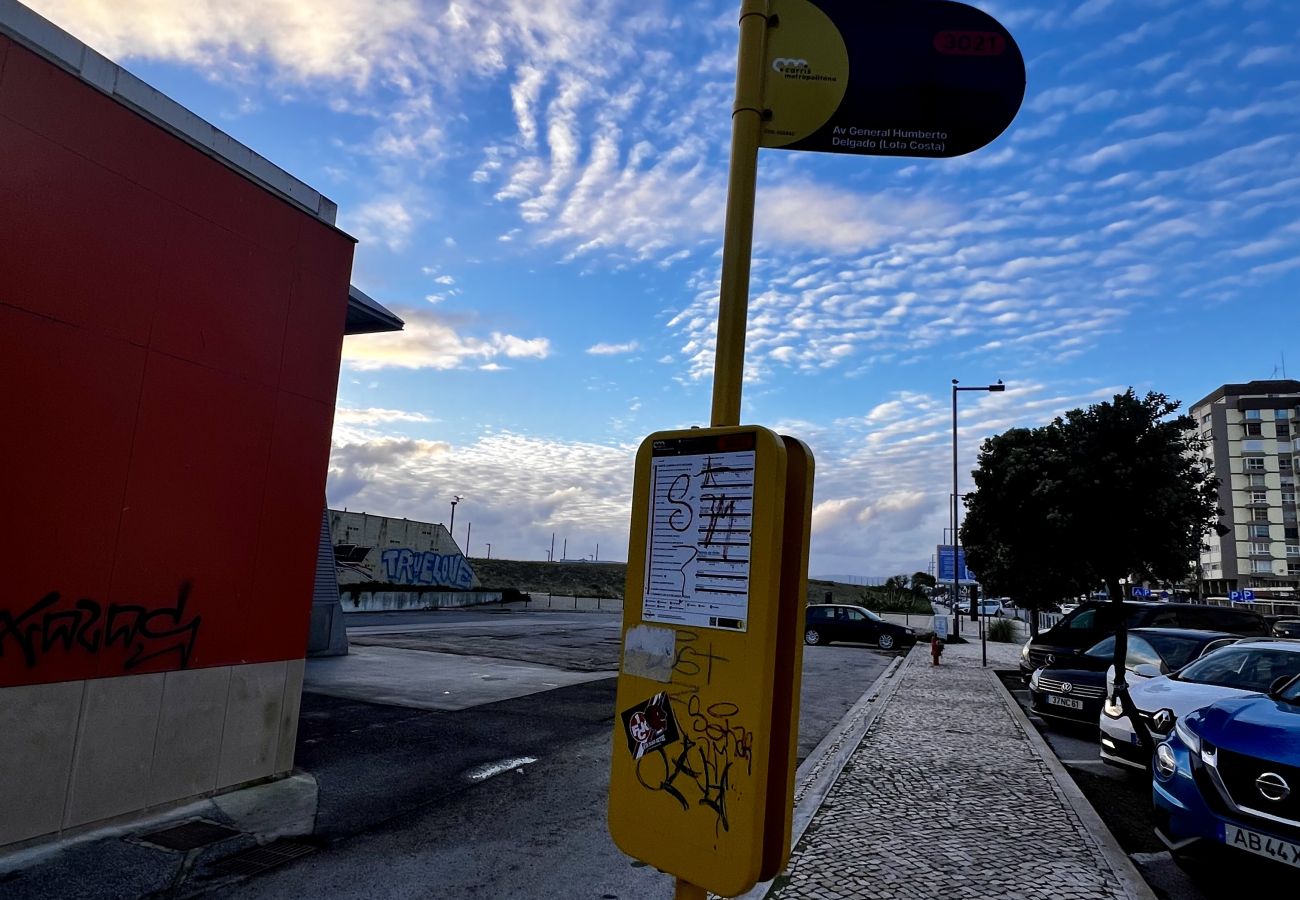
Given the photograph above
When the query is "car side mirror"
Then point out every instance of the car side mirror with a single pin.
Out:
(1147, 670)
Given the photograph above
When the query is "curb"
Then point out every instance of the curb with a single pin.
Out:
(818, 773)
(1130, 880)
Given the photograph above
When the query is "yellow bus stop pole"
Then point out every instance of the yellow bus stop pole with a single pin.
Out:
(738, 236)
(738, 239)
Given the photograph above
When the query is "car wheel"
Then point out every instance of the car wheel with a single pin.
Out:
(886, 641)
(812, 636)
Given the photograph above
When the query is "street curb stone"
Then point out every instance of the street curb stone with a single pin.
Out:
(1129, 878)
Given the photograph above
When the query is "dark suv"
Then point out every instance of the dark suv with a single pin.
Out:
(1093, 621)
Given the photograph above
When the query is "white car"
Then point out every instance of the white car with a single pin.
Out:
(986, 607)
(1243, 667)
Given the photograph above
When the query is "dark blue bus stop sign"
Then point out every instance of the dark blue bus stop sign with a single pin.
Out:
(929, 78)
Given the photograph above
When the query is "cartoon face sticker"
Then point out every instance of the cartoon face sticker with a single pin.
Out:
(650, 725)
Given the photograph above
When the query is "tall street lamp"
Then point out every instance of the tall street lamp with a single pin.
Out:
(451, 529)
(489, 546)
(956, 503)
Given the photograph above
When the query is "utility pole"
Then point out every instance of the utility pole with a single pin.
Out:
(550, 557)
(468, 528)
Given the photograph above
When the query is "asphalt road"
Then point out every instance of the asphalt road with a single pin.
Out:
(408, 807)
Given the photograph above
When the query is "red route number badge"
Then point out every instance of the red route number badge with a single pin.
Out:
(650, 725)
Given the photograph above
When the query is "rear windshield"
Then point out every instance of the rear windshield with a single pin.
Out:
(1244, 668)
(1100, 618)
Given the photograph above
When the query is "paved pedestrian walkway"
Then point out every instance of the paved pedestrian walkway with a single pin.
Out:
(952, 794)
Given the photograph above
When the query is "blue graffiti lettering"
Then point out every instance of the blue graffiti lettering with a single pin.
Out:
(405, 566)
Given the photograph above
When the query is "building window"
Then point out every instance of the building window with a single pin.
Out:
(1288, 497)
(1261, 565)
(1256, 481)
(1259, 531)
(1293, 549)
(1253, 414)
(1284, 463)
(1259, 515)
(1259, 496)
(1254, 429)
(1282, 414)
(1261, 547)
(1254, 463)
(1205, 419)
(1293, 568)
(1283, 430)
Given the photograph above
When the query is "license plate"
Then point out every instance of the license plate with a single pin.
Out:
(1067, 702)
(1262, 845)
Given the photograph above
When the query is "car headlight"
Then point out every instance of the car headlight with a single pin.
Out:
(1024, 652)
(1187, 736)
(911, 631)
(1112, 708)
(1166, 764)
(1033, 680)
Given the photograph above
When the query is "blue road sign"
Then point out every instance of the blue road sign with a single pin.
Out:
(1248, 596)
(1234, 596)
(946, 565)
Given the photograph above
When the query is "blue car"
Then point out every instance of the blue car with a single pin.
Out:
(1229, 777)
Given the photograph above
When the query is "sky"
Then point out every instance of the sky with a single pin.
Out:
(537, 187)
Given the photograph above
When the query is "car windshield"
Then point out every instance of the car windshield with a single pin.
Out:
(1139, 651)
(1244, 668)
(1291, 694)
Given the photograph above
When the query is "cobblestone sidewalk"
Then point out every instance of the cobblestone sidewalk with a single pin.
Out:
(948, 797)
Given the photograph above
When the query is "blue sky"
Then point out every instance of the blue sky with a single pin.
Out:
(537, 187)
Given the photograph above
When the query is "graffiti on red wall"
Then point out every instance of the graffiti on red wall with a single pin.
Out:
(52, 626)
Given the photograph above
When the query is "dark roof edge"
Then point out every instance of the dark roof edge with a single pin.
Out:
(368, 316)
(1271, 386)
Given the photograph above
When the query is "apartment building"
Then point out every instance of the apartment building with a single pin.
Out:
(1252, 433)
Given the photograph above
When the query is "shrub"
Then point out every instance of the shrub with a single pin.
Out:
(1003, 630)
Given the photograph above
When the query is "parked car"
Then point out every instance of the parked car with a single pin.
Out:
(826, 622)
(1287, 627)
(1229, 777)
(1093, 621)
(1245, 667)
(1076, 694)
(989, 607)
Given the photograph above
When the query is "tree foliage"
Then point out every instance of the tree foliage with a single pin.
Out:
(1100, 494)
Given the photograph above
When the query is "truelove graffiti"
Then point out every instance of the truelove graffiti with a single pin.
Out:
(406, 566)
(90, 627)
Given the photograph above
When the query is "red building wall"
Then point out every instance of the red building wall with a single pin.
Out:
(169, 350)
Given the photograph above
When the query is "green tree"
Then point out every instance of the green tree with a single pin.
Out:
(1015, 538)
(922, 580)
(1112, 492)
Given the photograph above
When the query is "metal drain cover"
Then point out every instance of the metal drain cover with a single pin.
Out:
(256, 860)
(189, 835)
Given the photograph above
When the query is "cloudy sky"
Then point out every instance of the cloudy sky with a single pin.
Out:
(537, 188)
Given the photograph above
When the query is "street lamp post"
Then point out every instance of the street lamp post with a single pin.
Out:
(451, 529)
(489, 546)
(956, 509)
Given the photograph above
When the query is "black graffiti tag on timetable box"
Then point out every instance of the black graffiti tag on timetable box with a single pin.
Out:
(93, 628)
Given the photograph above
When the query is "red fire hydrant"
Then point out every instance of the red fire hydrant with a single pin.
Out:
(936, 649)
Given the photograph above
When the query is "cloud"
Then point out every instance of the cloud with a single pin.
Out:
(431, 341)
(517, 490)
(604, 349)
(385, 221)
(376, 416)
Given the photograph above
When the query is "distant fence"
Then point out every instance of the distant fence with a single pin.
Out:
(563, 602)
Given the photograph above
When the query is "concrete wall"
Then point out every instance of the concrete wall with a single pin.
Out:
(375, 550)
(80, 752)
(379, 601)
